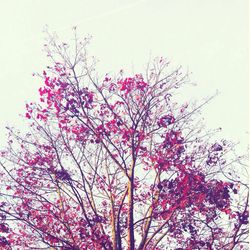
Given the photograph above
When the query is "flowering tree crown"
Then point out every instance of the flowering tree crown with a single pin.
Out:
(115, 163)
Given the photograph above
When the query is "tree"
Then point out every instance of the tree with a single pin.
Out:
(116, 164)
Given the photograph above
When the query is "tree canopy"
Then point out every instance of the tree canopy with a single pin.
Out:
(114, 162)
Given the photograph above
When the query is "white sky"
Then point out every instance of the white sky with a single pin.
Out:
(210, 38)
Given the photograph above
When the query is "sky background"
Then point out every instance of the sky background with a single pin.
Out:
(209, 38)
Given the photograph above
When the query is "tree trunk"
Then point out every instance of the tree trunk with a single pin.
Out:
(113, 225)
(131, 239)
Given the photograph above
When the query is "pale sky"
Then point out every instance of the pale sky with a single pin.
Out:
(210, 38)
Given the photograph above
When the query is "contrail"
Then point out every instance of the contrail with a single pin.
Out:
(92, 18)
